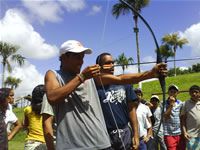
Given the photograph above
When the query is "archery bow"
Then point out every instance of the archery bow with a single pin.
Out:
(159, 58)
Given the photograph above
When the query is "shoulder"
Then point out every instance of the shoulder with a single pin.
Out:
(50, 73)
(27, 109)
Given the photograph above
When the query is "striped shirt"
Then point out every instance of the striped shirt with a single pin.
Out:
(172, 125)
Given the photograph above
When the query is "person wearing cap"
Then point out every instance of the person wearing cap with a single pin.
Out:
(171, 121)
(33, 121)
(156, 120)
(190, 119)
(73, 96)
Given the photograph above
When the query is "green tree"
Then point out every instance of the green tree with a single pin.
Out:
(12, 82)
(175, 42)
(166, 51)
(123, 61)
(9, 51)
(196, 67)
(121, 8)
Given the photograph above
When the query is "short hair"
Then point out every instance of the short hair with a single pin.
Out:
(194, 87)
(37, 94)
(4, 93)
(138, 90)
(37, 98)
(99, 58)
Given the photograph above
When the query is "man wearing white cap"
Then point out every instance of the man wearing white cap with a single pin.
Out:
(156, 119)
(73, 95)
(171, 123)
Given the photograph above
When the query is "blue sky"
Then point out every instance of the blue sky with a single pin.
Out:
(40, 27)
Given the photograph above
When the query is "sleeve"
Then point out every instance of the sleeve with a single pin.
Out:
(130, 94)
(149, 114)
(183, 109)
(46, 107)
(12, 118)
(25, 111)
(147, 124)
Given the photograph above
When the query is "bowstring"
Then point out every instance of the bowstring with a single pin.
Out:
(101, 82)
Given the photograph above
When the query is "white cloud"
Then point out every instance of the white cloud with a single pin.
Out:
(129, 69)
(73, 5)
(95, 10)
(15, 30)
(44, 10)
(183, 68)
(193, 36)
(30, 78)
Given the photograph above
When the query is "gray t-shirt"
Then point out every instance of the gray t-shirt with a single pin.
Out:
(47, 109)
(80, 122)
(192, 112)
(157, 116)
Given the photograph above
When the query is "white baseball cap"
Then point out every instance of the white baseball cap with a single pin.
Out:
(173, 86)
(73, 46)
(155, 96)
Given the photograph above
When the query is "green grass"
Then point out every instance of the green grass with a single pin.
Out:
(17, 143)
(183, 82)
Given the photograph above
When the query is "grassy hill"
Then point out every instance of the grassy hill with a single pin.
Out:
(183, 82)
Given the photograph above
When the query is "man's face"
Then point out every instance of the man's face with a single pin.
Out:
(73, 62)
(139, 96)
(195, 95)
(107, 60)
(154, 102)
(11, 97)
(173, 92)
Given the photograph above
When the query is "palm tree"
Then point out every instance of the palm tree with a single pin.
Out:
(166, 51)
(175, 42)
(121, 8)
(9, 51)
(13, 82)
(123, 61)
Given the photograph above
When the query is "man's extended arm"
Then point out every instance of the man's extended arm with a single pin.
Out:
(131, 78)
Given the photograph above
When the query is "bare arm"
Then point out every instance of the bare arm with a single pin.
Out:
(149, 130)
(183, 126)
(134, 124)
(56, 93)
(47, 122)
(170, 107)
(131, 78)
(17, 127)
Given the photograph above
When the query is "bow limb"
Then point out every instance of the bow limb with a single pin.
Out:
(159, 58)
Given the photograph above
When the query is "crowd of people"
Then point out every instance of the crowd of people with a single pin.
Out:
(94, 109)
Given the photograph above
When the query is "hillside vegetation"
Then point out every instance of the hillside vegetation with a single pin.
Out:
(182, 81)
